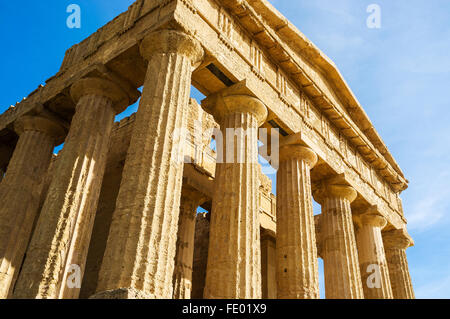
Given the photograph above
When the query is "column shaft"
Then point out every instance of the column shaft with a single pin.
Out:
(372, 258)
(400, 279)
(396, 242)
(19, 197)
(182, 277)
(297, 264)
(339, 251)
(201, 245)
(234, 259)
(140, 253)
(268, 267)
(63, 231)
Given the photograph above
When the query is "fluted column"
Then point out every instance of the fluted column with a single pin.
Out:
(20, 192)
(338, 244)
(201, 244)
(182, 276)
(395, 243)
(318, 237)
(62, 234)
(297, 264)
(234, 259)
(372, 258)
(268, 265)
(140, 252)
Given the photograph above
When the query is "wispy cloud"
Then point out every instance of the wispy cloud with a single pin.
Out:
(427, 212)
(437, 289)
(429, 203)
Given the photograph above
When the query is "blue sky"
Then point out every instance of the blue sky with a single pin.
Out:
(400, 73)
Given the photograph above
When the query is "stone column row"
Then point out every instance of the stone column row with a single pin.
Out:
(140, 259)
(146, 216)
(366, 263)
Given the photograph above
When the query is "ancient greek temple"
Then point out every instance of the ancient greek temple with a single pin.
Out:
(113, 216)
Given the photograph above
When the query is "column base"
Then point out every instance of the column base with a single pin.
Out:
(122, 293)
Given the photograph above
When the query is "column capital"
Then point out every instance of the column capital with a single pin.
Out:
(237, 98)
(371, 216)
(397, 239)
(300, 152)
(101, 87)
(190, 200)
(335, 186)
(268, 234)
(40, 123)
(190, 194)
(171, 41)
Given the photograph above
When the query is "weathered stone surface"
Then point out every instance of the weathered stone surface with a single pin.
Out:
(256, 69)
(142, 240)
(339, 251)
(297, 265)
(372, 258)
(202, 223)
(182, 276)
(20, 192)
(63, 231)
(234, 260)
(268, 265)
(396, 242)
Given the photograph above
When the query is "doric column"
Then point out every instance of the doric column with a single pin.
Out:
(268, 265)
(338, 244)
(182, 276)
(234, 259)
(62, 234)
(395, 243)
(318, 236)
(20, 192)
(372, 259)
(297, 264)
(201, 243)
(140, 253)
